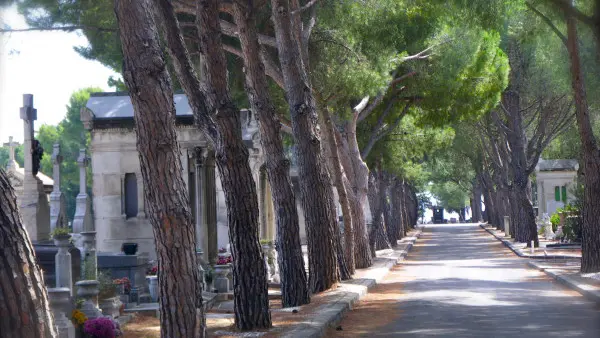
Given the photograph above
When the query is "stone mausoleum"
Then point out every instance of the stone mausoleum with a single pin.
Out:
(119, 207)
(555, 180)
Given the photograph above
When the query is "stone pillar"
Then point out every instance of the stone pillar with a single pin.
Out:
(140, 194)
(33, 204)
(58, 217)
(211, 208)
(507, 226)
(89, 260)
(200, 192)
(60, 304)
(88, 290)
(62, 261)
(12, 163)
(83, 216)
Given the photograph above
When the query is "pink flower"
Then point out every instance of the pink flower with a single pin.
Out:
(102, 327)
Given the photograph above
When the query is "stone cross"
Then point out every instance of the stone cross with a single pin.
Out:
(56, 162)
(28, 115)
(33, 203)
(57, 198)
(12, 163)
(83, 217)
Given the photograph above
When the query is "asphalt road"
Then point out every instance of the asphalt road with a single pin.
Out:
(461, 282)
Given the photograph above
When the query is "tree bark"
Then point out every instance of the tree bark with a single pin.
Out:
(523, 214)
(294, 287)
(590, 253)
(390, 224)
(342, 186)
(216, 114)
(396, 205)
(378, 236)
(24, 305)
(314, 181)
(476, 215)
(359, 179)
(146, 76)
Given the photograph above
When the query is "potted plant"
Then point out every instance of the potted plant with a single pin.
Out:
(129, 248)
(108, 300)
(102, 327)
(78, 318)
(152, 277)
(61, 236)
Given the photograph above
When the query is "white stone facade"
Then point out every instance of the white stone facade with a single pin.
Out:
(554, 178)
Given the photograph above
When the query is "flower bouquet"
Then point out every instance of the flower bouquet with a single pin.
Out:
(102, 327)
(124, 285)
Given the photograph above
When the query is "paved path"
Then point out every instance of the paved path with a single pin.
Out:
(461, 282)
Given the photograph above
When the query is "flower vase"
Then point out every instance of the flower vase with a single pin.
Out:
(153, 287)
(221, 281)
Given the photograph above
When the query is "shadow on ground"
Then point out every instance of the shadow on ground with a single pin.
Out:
(461, 282)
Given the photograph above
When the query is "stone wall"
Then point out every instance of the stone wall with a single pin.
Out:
(113, 155)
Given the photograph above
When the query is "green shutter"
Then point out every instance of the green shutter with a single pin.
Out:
(557, 194)
(564, 194)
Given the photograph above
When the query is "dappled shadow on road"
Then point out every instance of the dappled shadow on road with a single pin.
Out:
(460, 282)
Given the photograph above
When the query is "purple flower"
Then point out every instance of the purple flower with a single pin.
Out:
(101, 327)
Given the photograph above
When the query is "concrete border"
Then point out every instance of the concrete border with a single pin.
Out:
(589, 292)
(518, 251)
(344, 297)
(348, 294)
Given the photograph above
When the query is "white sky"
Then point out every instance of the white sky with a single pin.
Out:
(43, 64)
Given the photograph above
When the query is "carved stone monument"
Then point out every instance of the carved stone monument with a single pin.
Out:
(33, 204)
(12, 163)
(58, 216)
(83, 217)
(61, 306)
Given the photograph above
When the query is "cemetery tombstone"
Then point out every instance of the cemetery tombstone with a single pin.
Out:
(58, 217)
(33, 204)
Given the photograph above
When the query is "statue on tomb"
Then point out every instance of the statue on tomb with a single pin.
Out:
(37, 152)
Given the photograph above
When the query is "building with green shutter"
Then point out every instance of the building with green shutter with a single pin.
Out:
(555, 180)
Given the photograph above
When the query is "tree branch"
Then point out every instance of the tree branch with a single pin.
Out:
(547, 20)
(61, 28)
(567, 7)
(230, 29)
(305, 7)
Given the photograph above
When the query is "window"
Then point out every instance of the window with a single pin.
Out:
(131, 196)
(560, 194)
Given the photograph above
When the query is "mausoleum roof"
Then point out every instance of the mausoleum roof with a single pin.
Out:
(118, 105)
(19, 174)
(557, 165)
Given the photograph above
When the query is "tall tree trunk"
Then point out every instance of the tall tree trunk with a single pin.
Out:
(251, 303)
(476, 205)
(378, 236)
(590, 253)
(149, 84)
(341, 183)
(523, 215)
(390, 225)
(24, 306)
(216, 114)
(396, 204)
(359, 179)
(320, 225)
(294, 287)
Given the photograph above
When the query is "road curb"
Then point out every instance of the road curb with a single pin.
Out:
(518, 252)
(585, 290)
(332, 313)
